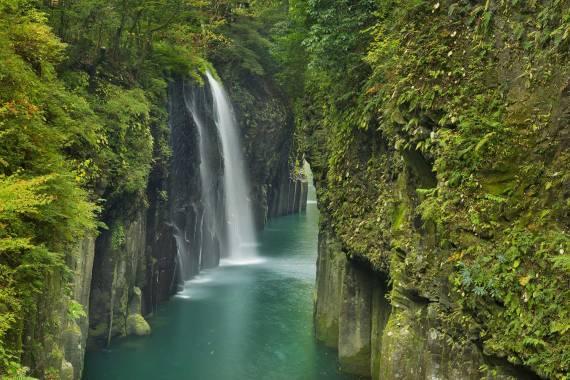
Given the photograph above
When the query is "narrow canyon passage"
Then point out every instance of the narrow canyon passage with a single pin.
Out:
(235, 321)
(154, 172)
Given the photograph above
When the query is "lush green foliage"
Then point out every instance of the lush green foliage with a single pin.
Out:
(43, 209)
(437, 133)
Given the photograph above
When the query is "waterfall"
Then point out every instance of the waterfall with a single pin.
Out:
(182, 256)
(221, 222)
(181, 253)
(195, 103)
(239, 216)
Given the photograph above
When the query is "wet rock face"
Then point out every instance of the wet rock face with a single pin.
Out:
(76, 332)
(266, 123)
(184, 195)
(401, 339)
(160, 270)
(355, 318)
(380, 314)
(119, 268)
(288, 194)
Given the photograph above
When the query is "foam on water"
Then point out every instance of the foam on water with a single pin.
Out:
(239, 262)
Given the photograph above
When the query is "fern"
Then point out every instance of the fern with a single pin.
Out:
(562, 262)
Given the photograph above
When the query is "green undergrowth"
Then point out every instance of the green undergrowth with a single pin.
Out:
(83, 119)
(442, 141)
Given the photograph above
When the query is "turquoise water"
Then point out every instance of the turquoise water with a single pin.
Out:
(235, 322)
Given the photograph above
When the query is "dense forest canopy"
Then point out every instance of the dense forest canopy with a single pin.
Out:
(462, 91)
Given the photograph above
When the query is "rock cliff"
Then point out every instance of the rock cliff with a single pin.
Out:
(441, 173)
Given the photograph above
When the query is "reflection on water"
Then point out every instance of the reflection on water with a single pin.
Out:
(237, 322)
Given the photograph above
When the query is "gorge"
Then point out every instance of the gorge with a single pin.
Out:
(302, 189)
(235, 321)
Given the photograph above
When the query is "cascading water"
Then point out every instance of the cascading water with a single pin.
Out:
(181, 253)
(195, 102)
(182, 257)
(241, 230)
(220, 222)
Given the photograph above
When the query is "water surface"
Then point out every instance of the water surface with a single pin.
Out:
(236, 322)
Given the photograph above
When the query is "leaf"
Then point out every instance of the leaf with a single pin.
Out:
(484, 141)
(560, 326)
(397, 117)
(524, 280)
(562, 261)
(452, 9)
(534, 342)
(15, 244)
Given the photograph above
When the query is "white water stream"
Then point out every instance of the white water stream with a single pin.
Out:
(242, 240)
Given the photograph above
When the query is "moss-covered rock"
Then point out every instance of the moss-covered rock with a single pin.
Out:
(137, 325)
(355, 320)
(119, 268)
(330, 272)
(67, 371)
(445, 168)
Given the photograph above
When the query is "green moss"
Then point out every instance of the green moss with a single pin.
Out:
(326, 330)
(99, 330)
(66, 372)
(357, 363)
(399, 216)
(499, 183)
(118, 236)
(137, 325)
(401, 208)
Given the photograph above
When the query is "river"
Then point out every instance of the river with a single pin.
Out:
(235, 322)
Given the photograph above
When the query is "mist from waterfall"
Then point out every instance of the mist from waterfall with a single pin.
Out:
(241, 230)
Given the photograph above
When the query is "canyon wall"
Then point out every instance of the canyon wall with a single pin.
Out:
(382, 322)
(441, 167)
